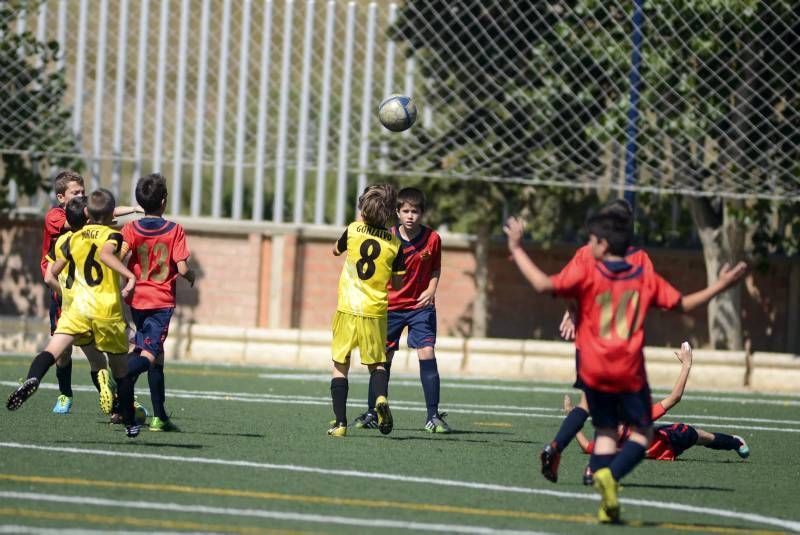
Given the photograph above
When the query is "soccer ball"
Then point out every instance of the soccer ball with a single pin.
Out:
(140, 414)
(397, 113)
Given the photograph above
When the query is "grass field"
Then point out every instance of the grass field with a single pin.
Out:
(253, 457)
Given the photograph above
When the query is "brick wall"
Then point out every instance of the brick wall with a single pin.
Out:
(236, 282)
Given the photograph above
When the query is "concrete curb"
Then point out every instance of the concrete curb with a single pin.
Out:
(462, 357)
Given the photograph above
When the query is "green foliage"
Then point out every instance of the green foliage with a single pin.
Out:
(547, 97)
(33, 120)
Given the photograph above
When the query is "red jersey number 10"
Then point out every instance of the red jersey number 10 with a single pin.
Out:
(618, 312)
(160, 256)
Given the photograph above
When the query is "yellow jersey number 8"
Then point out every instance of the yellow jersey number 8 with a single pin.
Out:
(365, 266)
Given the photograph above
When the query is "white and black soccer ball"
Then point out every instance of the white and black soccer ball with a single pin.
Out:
(397, 113)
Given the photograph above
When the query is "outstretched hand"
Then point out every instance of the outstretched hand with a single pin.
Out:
(731, 275)
(685, 354)
(567, 327)
(514, 229)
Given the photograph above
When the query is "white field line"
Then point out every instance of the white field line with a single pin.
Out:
(456, 383)
(487, 410)
(362, 474)
(38, 530)
(262, 513)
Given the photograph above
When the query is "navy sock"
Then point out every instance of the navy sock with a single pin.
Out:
(626, 460)
(137, 365)
(429, 375)
(95, 382)
(339, 389)
(155, 378)
(41, 363)
(64, 376)
(570, 427)
(125, 395)
(596, 462)
(379, 381)
(724, 442)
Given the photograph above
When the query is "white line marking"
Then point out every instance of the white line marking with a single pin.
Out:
(456, 383)
(262, 513)
(39, 530)
(750, 517)
(412, 406)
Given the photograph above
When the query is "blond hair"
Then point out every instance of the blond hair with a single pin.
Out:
(377, 204)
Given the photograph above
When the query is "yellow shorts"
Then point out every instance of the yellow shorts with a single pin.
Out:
(106, 334)
(367, 334)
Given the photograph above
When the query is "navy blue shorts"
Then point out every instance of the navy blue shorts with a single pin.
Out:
(421, 323)
(55, 310)
(152, 327)
(680, 436)
(609, 409)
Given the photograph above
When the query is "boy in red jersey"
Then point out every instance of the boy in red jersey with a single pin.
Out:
(613, 294)
(158, 254)
(669, 441)
(413, 306)
(66, 185)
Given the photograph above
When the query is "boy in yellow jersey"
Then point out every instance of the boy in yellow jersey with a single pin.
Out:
(75, 211)
(95, 312)
(373, 258)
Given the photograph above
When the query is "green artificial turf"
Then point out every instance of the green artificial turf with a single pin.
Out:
(253, 456)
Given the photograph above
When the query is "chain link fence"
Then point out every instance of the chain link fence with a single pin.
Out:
(265, 110)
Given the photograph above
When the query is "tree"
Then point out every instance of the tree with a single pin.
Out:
(540, 89)
(719, 103)
(34, 125)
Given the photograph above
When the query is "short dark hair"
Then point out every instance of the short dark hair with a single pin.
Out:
(618, 206)
(151, 190)
(100, 205)
(613, 227)
(377, 204)
(76, 213)
(412, 196)
(63, 179)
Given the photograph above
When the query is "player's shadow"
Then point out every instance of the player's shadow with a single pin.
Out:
(137, 442)
(215, 434)
(710, 461)
(678, 487)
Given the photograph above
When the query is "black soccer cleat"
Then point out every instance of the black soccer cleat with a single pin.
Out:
(132, 431)
(550, 458)
(25, 390)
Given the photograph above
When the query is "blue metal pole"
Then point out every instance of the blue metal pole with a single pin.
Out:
(633, 111)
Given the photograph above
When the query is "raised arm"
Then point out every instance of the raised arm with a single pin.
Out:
(535, 276)
(127, 210)
(727, 277)
(685, 358)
